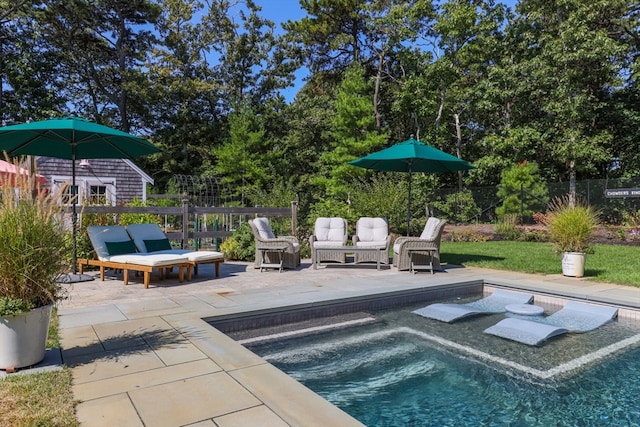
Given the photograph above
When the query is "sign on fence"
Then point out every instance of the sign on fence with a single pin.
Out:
(621, 192)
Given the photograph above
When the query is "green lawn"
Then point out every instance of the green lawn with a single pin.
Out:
(608, 263)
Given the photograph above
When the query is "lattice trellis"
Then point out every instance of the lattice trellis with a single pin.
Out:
(201, 190)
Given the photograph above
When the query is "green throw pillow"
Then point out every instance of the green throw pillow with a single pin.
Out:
(120, 248)
(157, 245)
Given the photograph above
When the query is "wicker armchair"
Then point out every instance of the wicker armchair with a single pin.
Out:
(329, 233)
(372, 233)
(269, 247)
(428, 240)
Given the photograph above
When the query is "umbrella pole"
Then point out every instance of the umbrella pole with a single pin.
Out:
(409, 201)
(74, 215)
(74, 277)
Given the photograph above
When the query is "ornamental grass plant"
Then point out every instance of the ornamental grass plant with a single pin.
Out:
(571, 225)
(32, 244)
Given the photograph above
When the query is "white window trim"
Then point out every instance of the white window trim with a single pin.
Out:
(84, 183)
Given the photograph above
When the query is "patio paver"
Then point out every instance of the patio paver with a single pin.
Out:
(146, 356)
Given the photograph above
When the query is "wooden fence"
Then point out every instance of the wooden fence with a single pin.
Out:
(190, 218)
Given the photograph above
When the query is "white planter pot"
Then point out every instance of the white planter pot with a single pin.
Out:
(573, 264)
(23, 338)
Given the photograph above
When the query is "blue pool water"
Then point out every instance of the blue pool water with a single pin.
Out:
(394, 373)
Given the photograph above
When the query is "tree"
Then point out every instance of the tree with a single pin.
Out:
(104, 44)
(570, 81)
(244, 160)
(522, 191)
(30, 88)
(354, 133)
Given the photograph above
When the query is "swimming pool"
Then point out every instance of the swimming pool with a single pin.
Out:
(393, 368)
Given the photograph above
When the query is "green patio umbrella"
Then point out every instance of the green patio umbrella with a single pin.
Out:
(412, 156)
(72, 138)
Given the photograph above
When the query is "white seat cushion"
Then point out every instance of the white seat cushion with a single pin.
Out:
(329, 229)
(372, 244)
(372, 230)
(143, 233)
(264, 229)
(150, 259)
(327, 244)
(194, 256)
(429, 232)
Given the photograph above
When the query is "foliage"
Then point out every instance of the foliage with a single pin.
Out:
(521, 190)
(354, 134)
(571, 225)
(467, 236)
(32, 246)
(382, 196)
(137, 218)
(14, 306)
(241, 246)
(507, 228)
(230, 248)
(457, 207)
(554, 83)
(244, 159)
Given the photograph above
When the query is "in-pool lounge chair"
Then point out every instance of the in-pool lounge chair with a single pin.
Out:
(149, 238)
(575, 317)
(494, 303)
(114, 249)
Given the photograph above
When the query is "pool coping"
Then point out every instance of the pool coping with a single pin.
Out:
(124, 373)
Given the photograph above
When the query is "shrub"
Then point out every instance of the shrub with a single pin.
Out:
(507, 228)
(521, 190)
(32, 247)
(571, 225)
(242, 245)
(458, 207)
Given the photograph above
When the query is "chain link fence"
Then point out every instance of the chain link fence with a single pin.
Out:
(478, 204)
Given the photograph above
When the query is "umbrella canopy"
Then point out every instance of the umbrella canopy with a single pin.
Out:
(72, 138)
(412, 156)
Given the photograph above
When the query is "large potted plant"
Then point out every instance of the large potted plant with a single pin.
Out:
(572, 225)
(32, 246)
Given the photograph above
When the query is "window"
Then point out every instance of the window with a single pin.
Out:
(70, 192)
(97, 195)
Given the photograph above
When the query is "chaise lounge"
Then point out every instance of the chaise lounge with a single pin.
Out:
(114, 249)
(149, 238)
